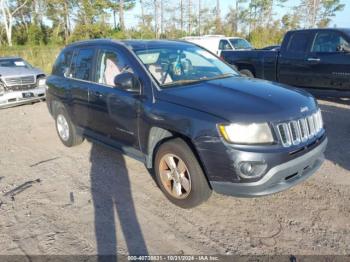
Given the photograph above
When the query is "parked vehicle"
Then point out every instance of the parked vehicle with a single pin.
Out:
(218, 43)
(317, 58)
(272, 48)
(188, 115)
(20, 83)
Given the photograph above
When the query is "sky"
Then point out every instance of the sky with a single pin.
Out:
(342, 18)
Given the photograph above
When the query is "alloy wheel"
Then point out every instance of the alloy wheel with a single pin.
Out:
(62, 127)
(175, 176)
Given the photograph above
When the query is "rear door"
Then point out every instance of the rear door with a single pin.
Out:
(293, 67)
(80, 75)
(329, 65)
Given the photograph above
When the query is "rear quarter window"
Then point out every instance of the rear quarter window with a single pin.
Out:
(82, 65)
(62, 63)
(298, 43)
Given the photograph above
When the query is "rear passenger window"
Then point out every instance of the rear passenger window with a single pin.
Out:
(82, 65)
(298, 43)
(62, 65)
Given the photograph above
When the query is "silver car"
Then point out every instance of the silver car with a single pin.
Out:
(20, 83)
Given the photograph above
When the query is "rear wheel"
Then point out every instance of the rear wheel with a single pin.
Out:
(66, 130)
(179, 175)
(247, 73)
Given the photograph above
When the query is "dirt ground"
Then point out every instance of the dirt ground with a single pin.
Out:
(90, 199)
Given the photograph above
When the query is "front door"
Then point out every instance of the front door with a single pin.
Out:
(114, 112)
(329, 64)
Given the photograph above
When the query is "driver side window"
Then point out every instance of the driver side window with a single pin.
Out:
(224, 45)
(328, 42)
(110, 64)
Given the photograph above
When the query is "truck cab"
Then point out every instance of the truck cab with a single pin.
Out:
(315, 58)
(311, 58)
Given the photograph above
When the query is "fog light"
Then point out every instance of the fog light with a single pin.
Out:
(250, 169)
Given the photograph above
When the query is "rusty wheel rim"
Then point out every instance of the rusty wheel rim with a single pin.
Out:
(175, 176)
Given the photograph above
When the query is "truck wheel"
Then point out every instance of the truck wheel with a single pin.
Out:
(179, 175)
(247, 73)
(66, 130)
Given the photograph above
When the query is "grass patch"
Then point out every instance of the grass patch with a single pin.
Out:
(41, 57)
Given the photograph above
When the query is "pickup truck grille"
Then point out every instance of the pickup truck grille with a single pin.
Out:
(301, 130)
(21, 87)
(18, 81)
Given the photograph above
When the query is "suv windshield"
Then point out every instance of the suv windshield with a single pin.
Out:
(239, 43)
(14, 62)
(171, 66)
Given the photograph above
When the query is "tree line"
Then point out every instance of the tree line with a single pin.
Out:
(42, 22)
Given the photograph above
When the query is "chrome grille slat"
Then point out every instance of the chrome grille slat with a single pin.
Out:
(21, 80)
(301, 130)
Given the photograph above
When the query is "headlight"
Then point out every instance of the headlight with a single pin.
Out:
(42, 82)
(247, 133)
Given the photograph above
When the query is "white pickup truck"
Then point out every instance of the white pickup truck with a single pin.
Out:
(218, 43)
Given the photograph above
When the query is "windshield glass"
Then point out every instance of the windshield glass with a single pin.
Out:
(239, 43)
(14, 62)
(171, 66)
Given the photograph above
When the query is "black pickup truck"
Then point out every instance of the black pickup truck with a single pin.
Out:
(318, 58)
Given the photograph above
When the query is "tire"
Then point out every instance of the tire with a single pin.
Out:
(72, 138)
(247, 73)
(194, 185)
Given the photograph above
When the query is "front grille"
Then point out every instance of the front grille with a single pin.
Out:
(18, 81)
(20, 87)
(301, 130)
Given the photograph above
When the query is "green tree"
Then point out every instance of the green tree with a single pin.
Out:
(60, 14)
(318, 12)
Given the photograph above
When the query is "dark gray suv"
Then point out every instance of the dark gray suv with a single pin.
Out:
(188, 115)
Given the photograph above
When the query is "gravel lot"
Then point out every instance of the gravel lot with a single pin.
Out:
(89, 199)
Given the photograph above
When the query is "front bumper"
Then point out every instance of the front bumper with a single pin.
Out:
(279, 178)
(15, 98)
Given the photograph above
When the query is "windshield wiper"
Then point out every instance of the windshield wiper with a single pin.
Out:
(180, 82)
(219, 76)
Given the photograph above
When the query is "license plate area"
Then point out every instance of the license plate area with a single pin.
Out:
(27, 95)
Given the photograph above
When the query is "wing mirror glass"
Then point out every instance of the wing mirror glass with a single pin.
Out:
(66, 72)
(127, 81)
(344, 48)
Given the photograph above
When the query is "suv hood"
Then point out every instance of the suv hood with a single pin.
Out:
(240, 99)
(18, 71)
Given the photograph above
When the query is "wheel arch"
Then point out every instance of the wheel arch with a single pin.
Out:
(54, 105)
(249, 67)
(159, 136)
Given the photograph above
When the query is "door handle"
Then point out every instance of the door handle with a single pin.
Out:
(98, 94)
(314, 59)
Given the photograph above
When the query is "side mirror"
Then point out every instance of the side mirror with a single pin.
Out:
(344, 48)
(127, 81)
(66, 72)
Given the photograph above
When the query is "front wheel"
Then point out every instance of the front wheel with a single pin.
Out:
(179, 175)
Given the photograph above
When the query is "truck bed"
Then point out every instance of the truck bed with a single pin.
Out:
(262, 63)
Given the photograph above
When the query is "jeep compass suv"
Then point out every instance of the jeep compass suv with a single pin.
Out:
(187, 115)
